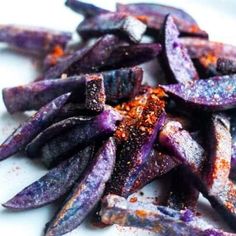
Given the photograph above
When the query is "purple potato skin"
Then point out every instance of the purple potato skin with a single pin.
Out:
(226, 66)
(86, 193)
(135, 138)
(107, 53)
(153, 15)
(162, 220)
(33, 148)
(157, 164)
(35, 95)
(33, 126)
(205, 53)
(100, 126)
(33, 39)
(56, 183)
(214, 94)
(119, 84)
(175, 60)
(182, 146)
(86, 9)
(116, 23)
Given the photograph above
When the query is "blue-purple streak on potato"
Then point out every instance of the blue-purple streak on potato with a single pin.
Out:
(226, 66)
(33, 126)
(162, 220)
(56, 183)
(214, 94)
(153, 15)
(100, 126)
(135, 136)
(180, 143)
(33, 39)
(232, 116)
(108, 52)
(86, 193)
(85, 9)
(218, 189)
(174, 57)
(33, 148)
(116, 23)
(34, 95)
(205, 53)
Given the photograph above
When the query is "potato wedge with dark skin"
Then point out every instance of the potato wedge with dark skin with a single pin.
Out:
(55, 184)
(159, 219)
(86, 193)
(153, 15)
(174, 59)
(214, 94)
(34, 40)
(33, 126)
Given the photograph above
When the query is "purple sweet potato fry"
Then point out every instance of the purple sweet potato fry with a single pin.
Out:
(175, 60)
(86, 193)
(156, 165)
(108, 52)
(182, 146)
(153, 15)
(226, 66)
(218, 189)
(34, 125)
(33, 39)
(56, 183)
(205, 53)
(34, 95)
(85, 60)
(135, 136)
(183, 194)
(162, 220)
(214, 94)
(100, 126)
(86, 9)
(33, 148)
(115, 23)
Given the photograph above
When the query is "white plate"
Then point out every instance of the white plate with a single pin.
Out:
(216, 17)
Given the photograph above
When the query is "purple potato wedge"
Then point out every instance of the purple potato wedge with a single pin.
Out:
(218, 189)
(100, 126)
(153, 15)
(33, 148)
(214, 94)
(86, 9)
(175, 60)
(34, 95)
(86, 193)
(135, 137)
(182, 146)
(56, 183)
(115, 23)
(85, 60)
(205, 53)
(159, 219)
(226, 66)
(157, 164)
(183, 194)
(33, 39)
(119, 84)
(107, 53)
(33, 126)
